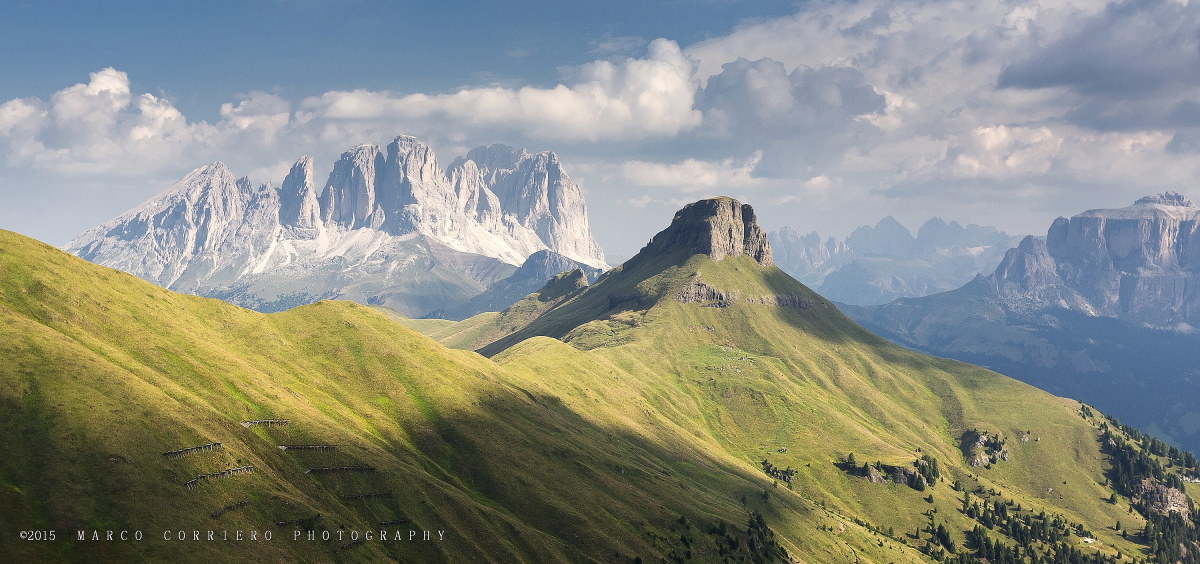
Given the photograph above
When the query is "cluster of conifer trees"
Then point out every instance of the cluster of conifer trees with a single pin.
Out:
(1039, 538)
(1170, 537)
(997, 552)
(1184, 461)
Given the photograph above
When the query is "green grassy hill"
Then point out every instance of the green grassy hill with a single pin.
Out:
(629, 420)
(746, 380)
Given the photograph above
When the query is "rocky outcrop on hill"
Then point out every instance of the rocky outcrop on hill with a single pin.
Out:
(718, 227)
(1163, 498)
(696, 291)
(980, 448)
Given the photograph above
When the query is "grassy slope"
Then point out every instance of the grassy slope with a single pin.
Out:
(484, 328)
(103, 373)
(744, 380)
(552, 452)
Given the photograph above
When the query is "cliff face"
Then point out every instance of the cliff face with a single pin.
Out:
(531, 191)
(718, 227)
(1027, 279)
(1138, 263)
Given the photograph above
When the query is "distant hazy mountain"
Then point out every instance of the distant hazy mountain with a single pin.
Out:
(1103, 309)
(530, 277)
(876, 265)
(389, 227)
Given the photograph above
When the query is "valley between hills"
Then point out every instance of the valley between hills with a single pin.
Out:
(695, 404)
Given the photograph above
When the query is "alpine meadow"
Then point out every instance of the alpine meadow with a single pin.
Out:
(693, 404)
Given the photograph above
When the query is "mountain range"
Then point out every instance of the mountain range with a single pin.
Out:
(389, 227)
(693, 404)
(877, 264)
(1104, 309)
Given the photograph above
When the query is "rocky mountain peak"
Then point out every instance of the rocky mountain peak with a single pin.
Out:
(937, 232)
(413, 159)
(545, 263)
(212, 176)
(563, 283)
(531, 190)
(215, 168)
(1168, 198)
(496, 157)
(408, 142)
(718, 227)
(888, 237)
(390, 211)
(788, 232)
(349, 195)
(1029, 265)
(298, 204)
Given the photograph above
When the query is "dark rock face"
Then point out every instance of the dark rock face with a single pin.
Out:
(718, 227)
(699, 292)
(1164, 499)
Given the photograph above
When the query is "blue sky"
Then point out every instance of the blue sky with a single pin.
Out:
(204, 53)
(825, 115)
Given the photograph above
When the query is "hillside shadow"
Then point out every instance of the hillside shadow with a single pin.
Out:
(543, 464)
(536, 481)
(821, 318)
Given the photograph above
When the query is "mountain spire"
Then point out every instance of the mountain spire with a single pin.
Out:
(298, 196)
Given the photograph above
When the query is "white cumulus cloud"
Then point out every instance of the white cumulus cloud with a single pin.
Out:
(1000, 151)
(97, 127)
(636, 98)
(692, 175)
(842, 112)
